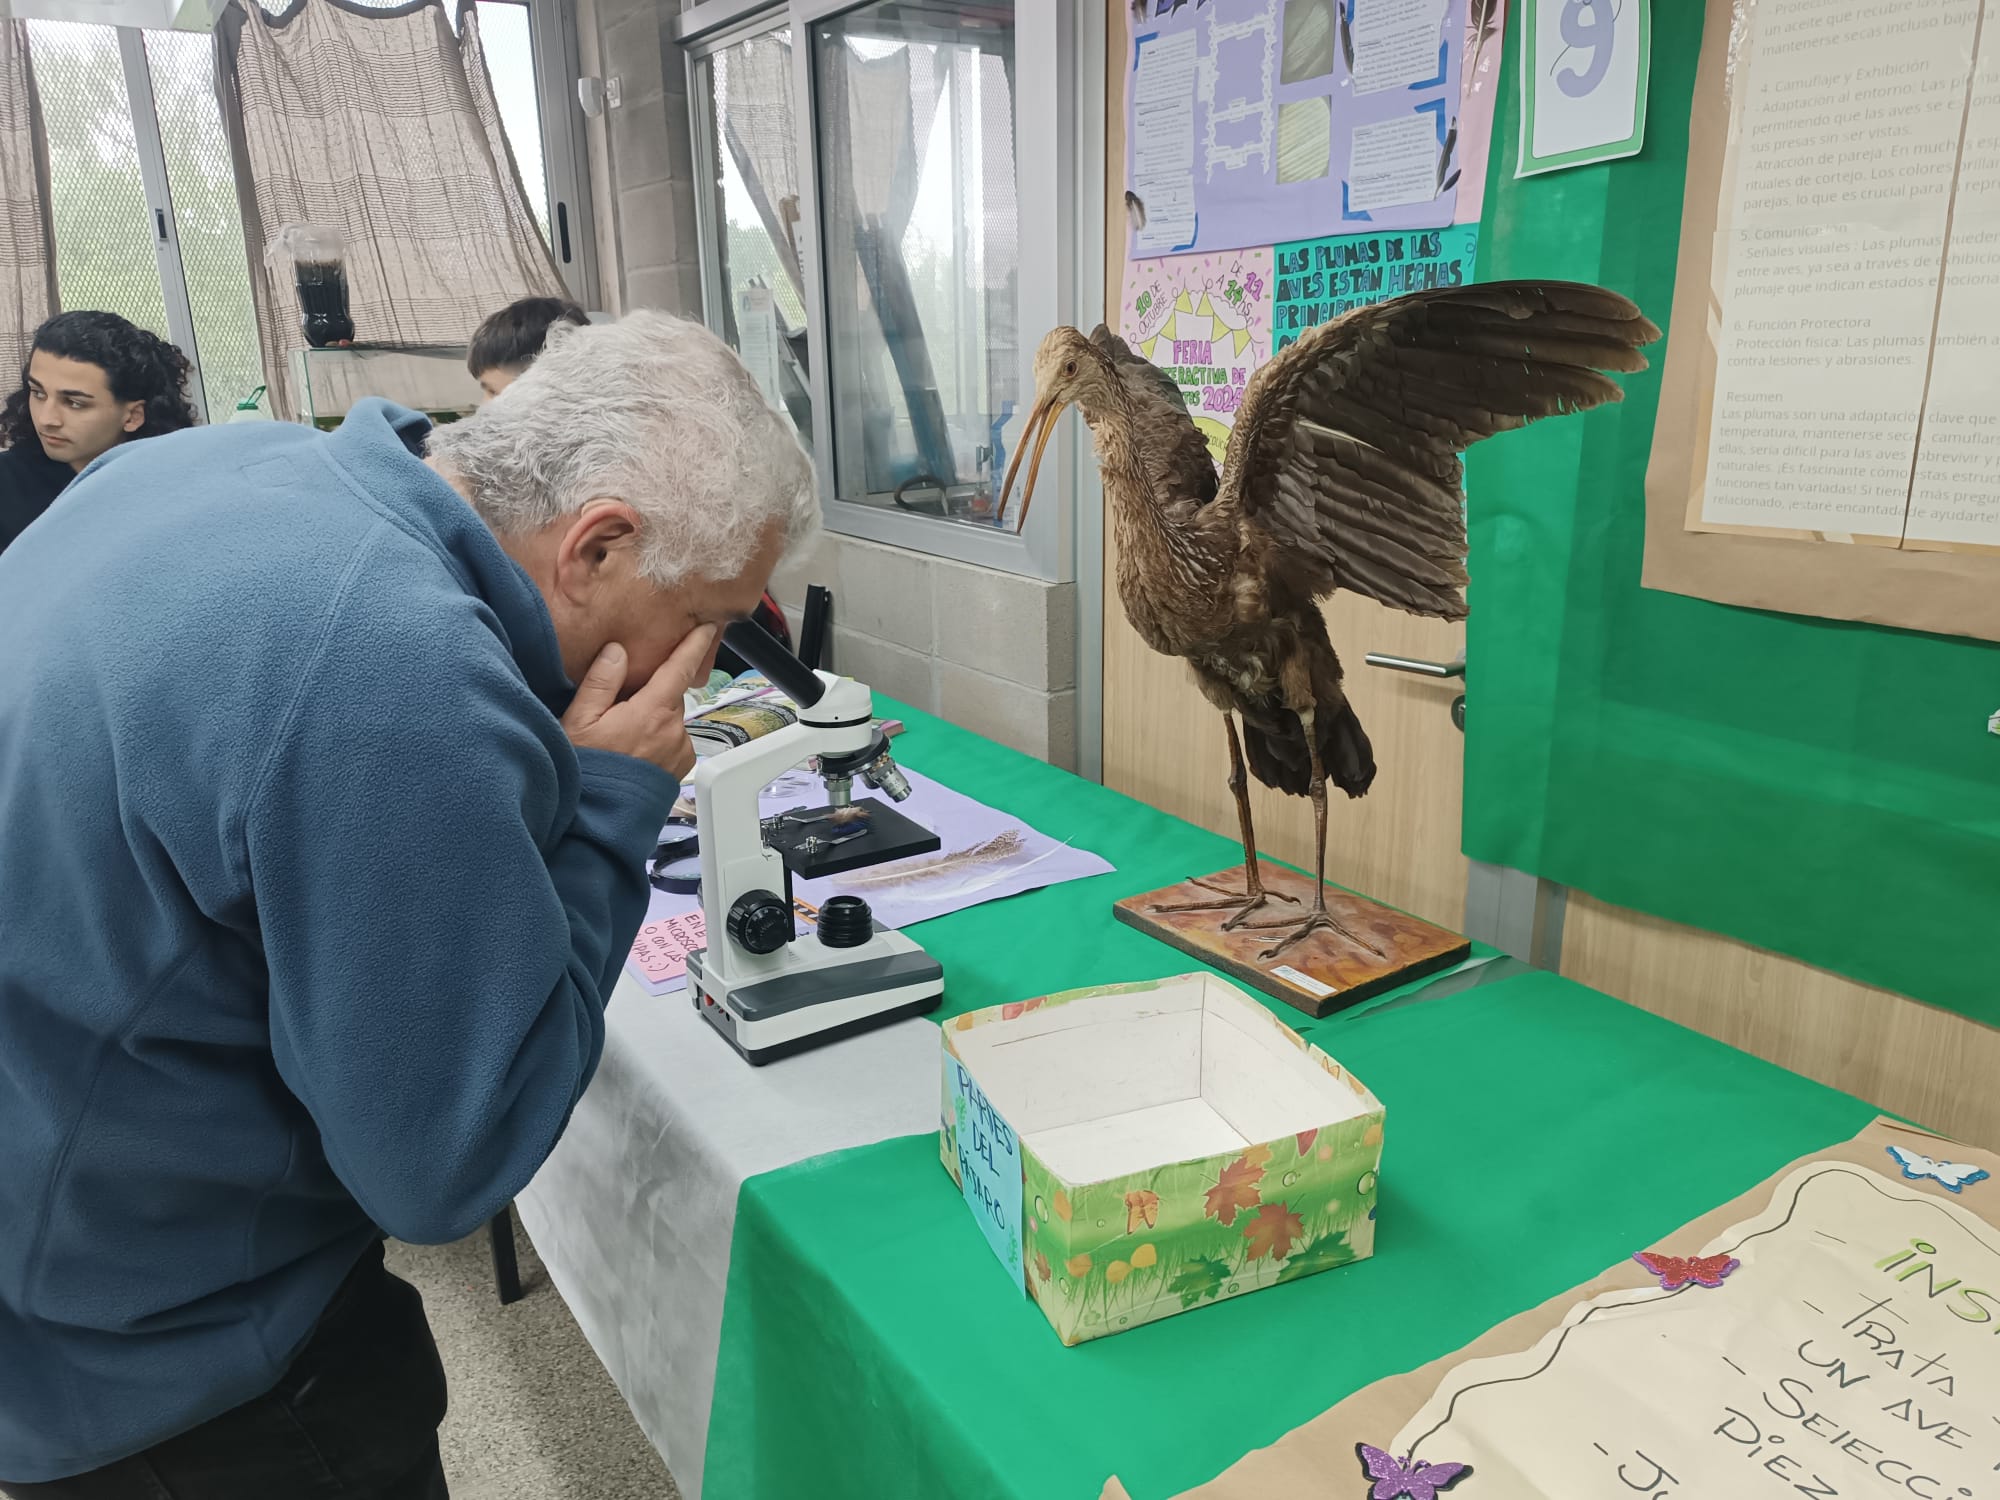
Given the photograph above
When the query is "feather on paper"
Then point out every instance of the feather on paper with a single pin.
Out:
(994, 851)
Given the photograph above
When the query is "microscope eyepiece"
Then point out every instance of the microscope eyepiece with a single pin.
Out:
(767, 654)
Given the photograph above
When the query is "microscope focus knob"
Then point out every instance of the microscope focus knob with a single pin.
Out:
(760, 922)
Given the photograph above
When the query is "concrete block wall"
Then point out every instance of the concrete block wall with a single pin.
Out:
(987, 650)
(642, 158)
(990, 651)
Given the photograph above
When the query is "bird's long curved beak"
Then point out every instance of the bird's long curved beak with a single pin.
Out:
(1041, 420)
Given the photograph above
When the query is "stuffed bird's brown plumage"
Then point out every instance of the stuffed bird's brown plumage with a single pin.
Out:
(1343, 472)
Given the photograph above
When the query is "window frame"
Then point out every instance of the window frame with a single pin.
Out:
(1057, 275)
(165, 227)
(565, 148)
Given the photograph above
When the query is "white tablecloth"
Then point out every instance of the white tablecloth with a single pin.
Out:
(634, 1212)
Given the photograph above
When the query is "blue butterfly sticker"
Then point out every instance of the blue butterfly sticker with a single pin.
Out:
(1953, 1176)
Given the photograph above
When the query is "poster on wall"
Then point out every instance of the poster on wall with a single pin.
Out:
(1206, 321)
(1828, 258)
(1258, 121)
(1210, 321)
(1829, 419)
(1586, 65)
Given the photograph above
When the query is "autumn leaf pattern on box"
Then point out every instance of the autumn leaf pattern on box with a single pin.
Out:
(1108, 1256)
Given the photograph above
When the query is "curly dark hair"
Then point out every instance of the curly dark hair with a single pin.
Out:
(138, 366)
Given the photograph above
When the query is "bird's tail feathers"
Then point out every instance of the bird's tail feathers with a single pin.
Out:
(1276, 750)
(1344, 750)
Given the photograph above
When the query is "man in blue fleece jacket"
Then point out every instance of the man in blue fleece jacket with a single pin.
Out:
(315, 875)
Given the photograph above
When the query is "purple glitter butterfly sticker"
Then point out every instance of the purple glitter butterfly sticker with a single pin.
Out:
(1406, 1478)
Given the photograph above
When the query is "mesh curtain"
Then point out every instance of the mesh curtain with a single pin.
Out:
(27, 241)
(381, 124)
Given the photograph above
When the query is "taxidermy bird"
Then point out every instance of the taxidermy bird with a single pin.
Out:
(1343, 472)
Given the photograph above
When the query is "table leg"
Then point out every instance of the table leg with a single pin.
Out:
(506, 1272)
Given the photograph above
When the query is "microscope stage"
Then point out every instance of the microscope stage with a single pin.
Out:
(813, 844)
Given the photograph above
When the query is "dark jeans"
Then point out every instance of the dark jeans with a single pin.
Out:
(354, 1418)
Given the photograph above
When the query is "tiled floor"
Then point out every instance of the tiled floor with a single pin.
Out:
(533, 1415)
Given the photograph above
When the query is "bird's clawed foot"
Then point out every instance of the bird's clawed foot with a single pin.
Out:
(1315, 920)
(1210, 883)
(1246, 903)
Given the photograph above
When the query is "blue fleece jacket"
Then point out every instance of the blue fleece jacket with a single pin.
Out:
(308, 910)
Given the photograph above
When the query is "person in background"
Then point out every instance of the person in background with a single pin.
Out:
(291, 723)
(508, 341)
(92, 381)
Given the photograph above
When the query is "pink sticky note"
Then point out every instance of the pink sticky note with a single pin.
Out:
(661, 950)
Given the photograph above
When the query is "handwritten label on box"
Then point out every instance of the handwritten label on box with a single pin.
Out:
(661, 950)
(989, 1169)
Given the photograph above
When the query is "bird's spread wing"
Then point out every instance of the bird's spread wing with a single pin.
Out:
(1174, 443)
(1346, 448)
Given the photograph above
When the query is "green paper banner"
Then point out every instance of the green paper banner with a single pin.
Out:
(1318, 280)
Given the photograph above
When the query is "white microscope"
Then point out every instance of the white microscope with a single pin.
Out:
(768, 989)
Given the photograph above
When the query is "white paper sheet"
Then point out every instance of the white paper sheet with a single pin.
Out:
(1395, 44)
(1163, 161)
(1393, 162)
(1844, 150)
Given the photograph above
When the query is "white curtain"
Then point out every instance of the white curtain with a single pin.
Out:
(376, 123)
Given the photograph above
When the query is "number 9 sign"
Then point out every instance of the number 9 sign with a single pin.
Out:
(1589, 28)
(1583, 81)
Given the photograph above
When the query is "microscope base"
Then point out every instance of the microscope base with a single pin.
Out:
(772, 1018)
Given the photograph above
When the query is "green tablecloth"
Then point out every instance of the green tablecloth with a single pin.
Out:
(1537, 1132)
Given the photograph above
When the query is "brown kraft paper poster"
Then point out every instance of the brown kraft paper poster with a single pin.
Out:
(1853, 1351)
(1947, 592)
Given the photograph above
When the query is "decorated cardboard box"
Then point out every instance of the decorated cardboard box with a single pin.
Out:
(1173, 1144)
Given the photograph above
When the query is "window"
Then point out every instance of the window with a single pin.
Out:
(916, 132)
(146, 221)
(104, 250)
(506, 40)
(758, 260)
(210, 227)
(510, 63)
(531, 57)
(866, 247)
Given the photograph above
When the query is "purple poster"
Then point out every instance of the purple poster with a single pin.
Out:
(1254, 122)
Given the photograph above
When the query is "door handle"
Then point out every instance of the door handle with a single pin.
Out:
(1453, 668)
(1439, 669)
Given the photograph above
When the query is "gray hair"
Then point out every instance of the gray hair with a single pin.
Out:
(652, 410)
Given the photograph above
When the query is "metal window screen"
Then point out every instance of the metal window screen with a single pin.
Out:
(103, 228)
(206, 217)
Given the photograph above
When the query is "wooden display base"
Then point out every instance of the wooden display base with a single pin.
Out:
(1319, 975)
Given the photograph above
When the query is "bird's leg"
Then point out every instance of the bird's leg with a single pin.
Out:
(1253, 896)
(1318, 918)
